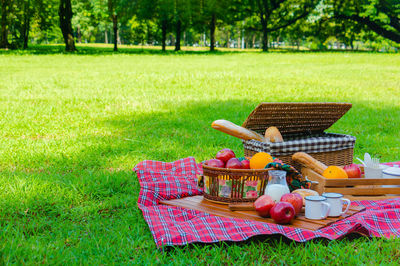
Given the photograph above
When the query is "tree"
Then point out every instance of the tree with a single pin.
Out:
(213, 10)
(279, 14)
(162, 12)
(28, 12)
(297, 32)
(43, 11)
(210, 13)
(4, 30)
(182, 18)
(112, 9)
(165, 16)
(65, 13)
(380, 16)
(85, 19)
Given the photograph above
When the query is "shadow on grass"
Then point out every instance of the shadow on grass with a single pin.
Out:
(186, 130)
(183, 130)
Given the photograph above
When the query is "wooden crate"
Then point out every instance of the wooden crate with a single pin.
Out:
(355, 188)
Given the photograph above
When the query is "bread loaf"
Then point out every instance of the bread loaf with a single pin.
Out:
(305, 192)
(235, 130)
(273, 135)
(309, 162)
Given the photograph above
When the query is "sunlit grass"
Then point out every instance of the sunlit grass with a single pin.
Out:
(73, 127)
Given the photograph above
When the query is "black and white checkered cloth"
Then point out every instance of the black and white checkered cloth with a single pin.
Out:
(324, 142)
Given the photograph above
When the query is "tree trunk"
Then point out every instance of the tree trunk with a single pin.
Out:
(263, 13)
(105, 35)
(26, 27)
(178, 36)
(352, 42)
(65, 13)
(163, 33)
(264, 25)
(119, 41)
(147, 33)
(265, 40)
(115, 28)
(79, 34)
(26, 33)
(3, 33)
(212, 33)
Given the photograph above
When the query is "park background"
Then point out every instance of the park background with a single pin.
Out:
(74, 123)
(263, 24)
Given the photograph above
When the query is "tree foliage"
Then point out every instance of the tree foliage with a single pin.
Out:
(279, 14)
(229, 23)
(380, 16)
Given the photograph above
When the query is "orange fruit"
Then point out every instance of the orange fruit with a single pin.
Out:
(260, 160)
(334, 172)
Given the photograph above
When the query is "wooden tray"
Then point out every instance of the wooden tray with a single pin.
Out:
(355, 188)
(200, 204)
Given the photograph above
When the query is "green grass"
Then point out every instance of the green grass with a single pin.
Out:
(74, 126)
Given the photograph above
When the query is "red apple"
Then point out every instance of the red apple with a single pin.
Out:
(263, 205)
(295, 199)
(225, 154)
(282, 212)
(246, 164)
(234, 163)
(353, 171)
(215, 163)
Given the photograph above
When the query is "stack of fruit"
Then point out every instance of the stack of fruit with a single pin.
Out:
(226, 158)
(282, 212)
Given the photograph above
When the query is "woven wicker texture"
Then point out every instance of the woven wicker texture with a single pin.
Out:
(295, 118)
(238, 178)
(341, 157)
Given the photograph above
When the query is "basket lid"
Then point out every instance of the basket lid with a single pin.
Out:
(295, 118)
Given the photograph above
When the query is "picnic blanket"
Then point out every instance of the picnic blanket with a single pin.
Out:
(178, 226)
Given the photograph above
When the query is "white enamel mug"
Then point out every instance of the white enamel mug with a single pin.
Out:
(336, 201)
(317, 207)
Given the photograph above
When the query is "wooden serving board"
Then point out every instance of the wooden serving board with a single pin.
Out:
(200, 204)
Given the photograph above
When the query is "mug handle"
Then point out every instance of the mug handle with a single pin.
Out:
(348, 202)
(327, 209)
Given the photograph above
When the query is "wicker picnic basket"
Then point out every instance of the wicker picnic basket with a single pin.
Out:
(224, 185)
(302, 126)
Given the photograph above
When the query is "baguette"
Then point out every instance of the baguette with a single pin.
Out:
(235, 130)
(308, 161)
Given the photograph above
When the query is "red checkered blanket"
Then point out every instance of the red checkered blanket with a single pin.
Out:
(179, 226)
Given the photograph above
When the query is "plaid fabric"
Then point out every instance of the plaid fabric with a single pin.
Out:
(323, 142)
(177, 226)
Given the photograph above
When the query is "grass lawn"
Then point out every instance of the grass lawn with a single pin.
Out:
(74, 126)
